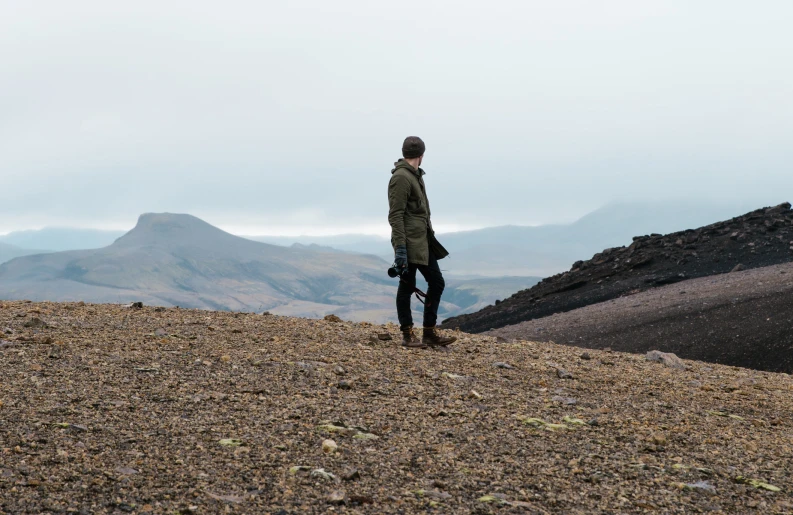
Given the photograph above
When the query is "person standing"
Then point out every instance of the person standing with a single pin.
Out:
(415, 245)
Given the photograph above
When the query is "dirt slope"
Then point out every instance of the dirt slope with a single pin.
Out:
(760, 238)
(113, 410)
(740, 319)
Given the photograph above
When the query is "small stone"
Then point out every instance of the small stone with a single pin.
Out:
(337, 497)
(384, 337)
(127, 471)
(667, 358)
(35, 322)
(501, 364)
(738, 268)
(473, 394)
(568, 401)
(344, 385)
(329, 446)
(134, 305)
(563, 374)
(339, 370)
(361, 499)
(160, 332)
(586, 356)
(351, 475)
(658, 439)
(501, 339)
(333, 318)
(701, 486)
(159, 309)
(321, 473)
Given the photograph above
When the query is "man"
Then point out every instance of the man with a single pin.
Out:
(415, 246)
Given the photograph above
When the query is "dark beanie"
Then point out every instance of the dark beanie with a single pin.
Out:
(412, 147)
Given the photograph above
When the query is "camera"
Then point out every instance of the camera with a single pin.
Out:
(396, 272)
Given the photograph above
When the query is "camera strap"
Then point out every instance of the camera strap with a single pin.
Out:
(420, 295)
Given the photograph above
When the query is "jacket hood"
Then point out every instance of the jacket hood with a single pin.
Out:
(404, 164)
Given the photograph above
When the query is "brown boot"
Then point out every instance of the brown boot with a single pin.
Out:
(433, 339)
(409, 339)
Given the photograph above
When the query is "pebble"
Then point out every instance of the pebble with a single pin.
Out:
(337, 497)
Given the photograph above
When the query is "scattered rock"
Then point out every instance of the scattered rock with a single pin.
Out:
(339, 370)
(334, 319)
(501, 364)
(738, 268)
(384, 337)
(563, 374)
(35, 323)
(337, 497)
(351, 475)
(586, 356)
(344, 385)
(160, 332)
(568, 401)
(361, 499)
(473, 394)
(701, 486)
(134, 305)
(329, 446)
(322, 474)
(667, 358)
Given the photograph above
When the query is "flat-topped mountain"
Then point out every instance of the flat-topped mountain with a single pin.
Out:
(760, 238)
(177, 259)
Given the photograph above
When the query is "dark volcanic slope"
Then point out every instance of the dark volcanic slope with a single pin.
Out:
(760, 238)
(739, 319)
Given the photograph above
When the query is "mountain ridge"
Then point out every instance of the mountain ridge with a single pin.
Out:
(758, 238)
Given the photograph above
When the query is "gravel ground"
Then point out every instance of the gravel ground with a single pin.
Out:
(739, 319)
(108, 409)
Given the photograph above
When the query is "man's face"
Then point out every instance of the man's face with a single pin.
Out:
(421, 158)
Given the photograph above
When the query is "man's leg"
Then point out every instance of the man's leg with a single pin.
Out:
(435, 286)
(405, 291)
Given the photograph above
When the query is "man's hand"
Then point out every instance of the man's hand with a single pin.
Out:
(401, 257)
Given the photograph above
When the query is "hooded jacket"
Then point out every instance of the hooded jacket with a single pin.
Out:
(409, 214)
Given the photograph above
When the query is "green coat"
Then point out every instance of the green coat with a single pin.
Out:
(409, 214)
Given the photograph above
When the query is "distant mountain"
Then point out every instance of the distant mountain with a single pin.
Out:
(359, 243)
(172, 259)
(62, 238)
(546, 249)
(8, 252)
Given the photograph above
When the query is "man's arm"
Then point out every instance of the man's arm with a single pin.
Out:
(398, 192)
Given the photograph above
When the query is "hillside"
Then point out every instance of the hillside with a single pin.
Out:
(761, 238)
(112, 410)
(9, 252)
(740, 319)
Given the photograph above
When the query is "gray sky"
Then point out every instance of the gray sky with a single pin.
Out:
(285, 117)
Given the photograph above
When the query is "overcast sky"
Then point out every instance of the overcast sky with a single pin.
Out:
(281, 117)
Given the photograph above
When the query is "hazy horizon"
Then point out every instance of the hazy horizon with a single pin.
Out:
(286, 118)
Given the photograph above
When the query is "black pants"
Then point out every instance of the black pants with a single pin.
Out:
(432, 274)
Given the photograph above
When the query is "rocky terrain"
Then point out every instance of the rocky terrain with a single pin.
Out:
(761, 238)
(741, 319)
(107, 409)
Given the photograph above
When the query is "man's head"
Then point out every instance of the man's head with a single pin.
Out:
(413, 149)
